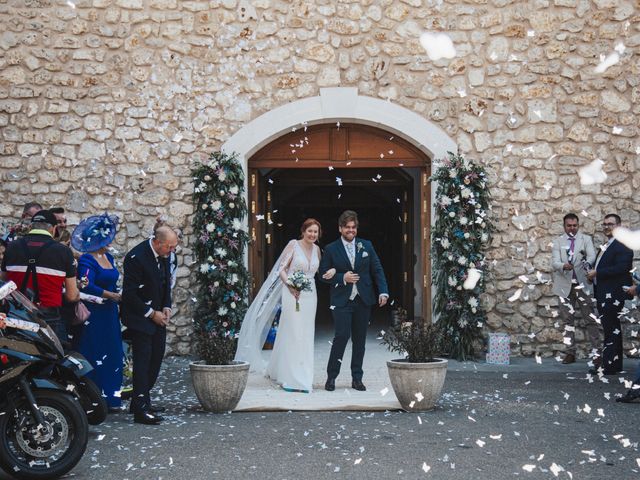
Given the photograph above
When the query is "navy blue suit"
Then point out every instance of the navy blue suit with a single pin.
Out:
(612, 273)
(351, 317)
(146, 285)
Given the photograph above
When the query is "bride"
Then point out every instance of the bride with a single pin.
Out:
(291, 363)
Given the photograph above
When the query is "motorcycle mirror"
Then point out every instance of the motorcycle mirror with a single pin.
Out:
(6, 289)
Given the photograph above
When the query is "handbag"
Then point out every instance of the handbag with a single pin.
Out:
(82, 314)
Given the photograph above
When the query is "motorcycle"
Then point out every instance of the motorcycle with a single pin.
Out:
(43, 427)
(69, 370)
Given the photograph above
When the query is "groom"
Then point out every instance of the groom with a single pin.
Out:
(352, 295)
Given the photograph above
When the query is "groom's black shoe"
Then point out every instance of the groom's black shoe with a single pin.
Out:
(330, 386)
(358, 385)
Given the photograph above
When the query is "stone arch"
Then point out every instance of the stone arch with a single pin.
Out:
(340, 104)
(345, 105)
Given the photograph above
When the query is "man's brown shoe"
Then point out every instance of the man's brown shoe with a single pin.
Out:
(569, 358)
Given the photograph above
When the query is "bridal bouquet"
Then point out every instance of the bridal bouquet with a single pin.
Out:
(298, 281)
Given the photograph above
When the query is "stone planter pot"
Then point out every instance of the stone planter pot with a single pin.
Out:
(417, 385)
(219, 387)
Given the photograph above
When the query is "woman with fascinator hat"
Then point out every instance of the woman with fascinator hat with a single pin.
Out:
(101, 339)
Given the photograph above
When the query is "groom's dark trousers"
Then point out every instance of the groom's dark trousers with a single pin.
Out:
(351, 317)
(352, 321)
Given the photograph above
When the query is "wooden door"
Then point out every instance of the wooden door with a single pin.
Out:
(425, 241)
(345, 146)
(257, 230)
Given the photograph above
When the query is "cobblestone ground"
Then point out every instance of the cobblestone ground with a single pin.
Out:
(529, 422)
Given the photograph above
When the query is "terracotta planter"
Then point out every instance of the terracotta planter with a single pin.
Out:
(417, 385)
(219, 387)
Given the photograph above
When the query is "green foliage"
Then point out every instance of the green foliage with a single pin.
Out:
(461, 234)
(419, 340)
(221, 240)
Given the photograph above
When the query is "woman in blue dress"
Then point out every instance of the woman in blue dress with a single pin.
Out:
(101, 339)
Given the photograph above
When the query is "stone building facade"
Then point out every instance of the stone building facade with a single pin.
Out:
(106, 104)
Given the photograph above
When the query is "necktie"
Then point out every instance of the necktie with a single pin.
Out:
(352, 256)
(572, 247)
(352, 259)
(163, 270)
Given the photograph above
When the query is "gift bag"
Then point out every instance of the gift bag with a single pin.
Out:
(499, 348)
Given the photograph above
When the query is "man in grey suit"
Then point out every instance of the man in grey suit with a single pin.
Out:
(572, 256)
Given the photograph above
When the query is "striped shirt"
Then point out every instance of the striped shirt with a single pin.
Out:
(54, 266)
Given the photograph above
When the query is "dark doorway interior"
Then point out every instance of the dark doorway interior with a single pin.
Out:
(377, 196)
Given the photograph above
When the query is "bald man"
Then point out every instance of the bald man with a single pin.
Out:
(146, 310)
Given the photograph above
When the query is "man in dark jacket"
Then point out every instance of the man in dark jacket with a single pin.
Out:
(610, 274)
(633, 394)
(146, 310)
(353, 294)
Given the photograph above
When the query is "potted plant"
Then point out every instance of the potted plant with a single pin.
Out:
(418, 378)
(223, 282)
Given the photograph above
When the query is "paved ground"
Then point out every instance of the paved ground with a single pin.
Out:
(491, 423)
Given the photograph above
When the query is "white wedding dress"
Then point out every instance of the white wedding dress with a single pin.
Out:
(291, 363)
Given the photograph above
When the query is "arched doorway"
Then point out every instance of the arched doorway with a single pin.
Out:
(320, 171)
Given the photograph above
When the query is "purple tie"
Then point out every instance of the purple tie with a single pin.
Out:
(572, 245)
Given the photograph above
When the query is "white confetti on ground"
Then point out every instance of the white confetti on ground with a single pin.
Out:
(556, 469)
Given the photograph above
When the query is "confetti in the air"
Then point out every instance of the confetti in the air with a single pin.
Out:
(437, 45)
(606, 62)
(473, 275)
(516, 295)
(592, 174)
(630, 238)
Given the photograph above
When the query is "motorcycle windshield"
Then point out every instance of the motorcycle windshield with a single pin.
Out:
(20, 307)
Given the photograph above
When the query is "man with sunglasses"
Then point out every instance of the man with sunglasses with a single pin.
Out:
(610, 274)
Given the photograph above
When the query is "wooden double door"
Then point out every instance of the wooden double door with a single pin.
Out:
(322, 170)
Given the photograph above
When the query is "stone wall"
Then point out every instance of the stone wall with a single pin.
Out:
(105, 104)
